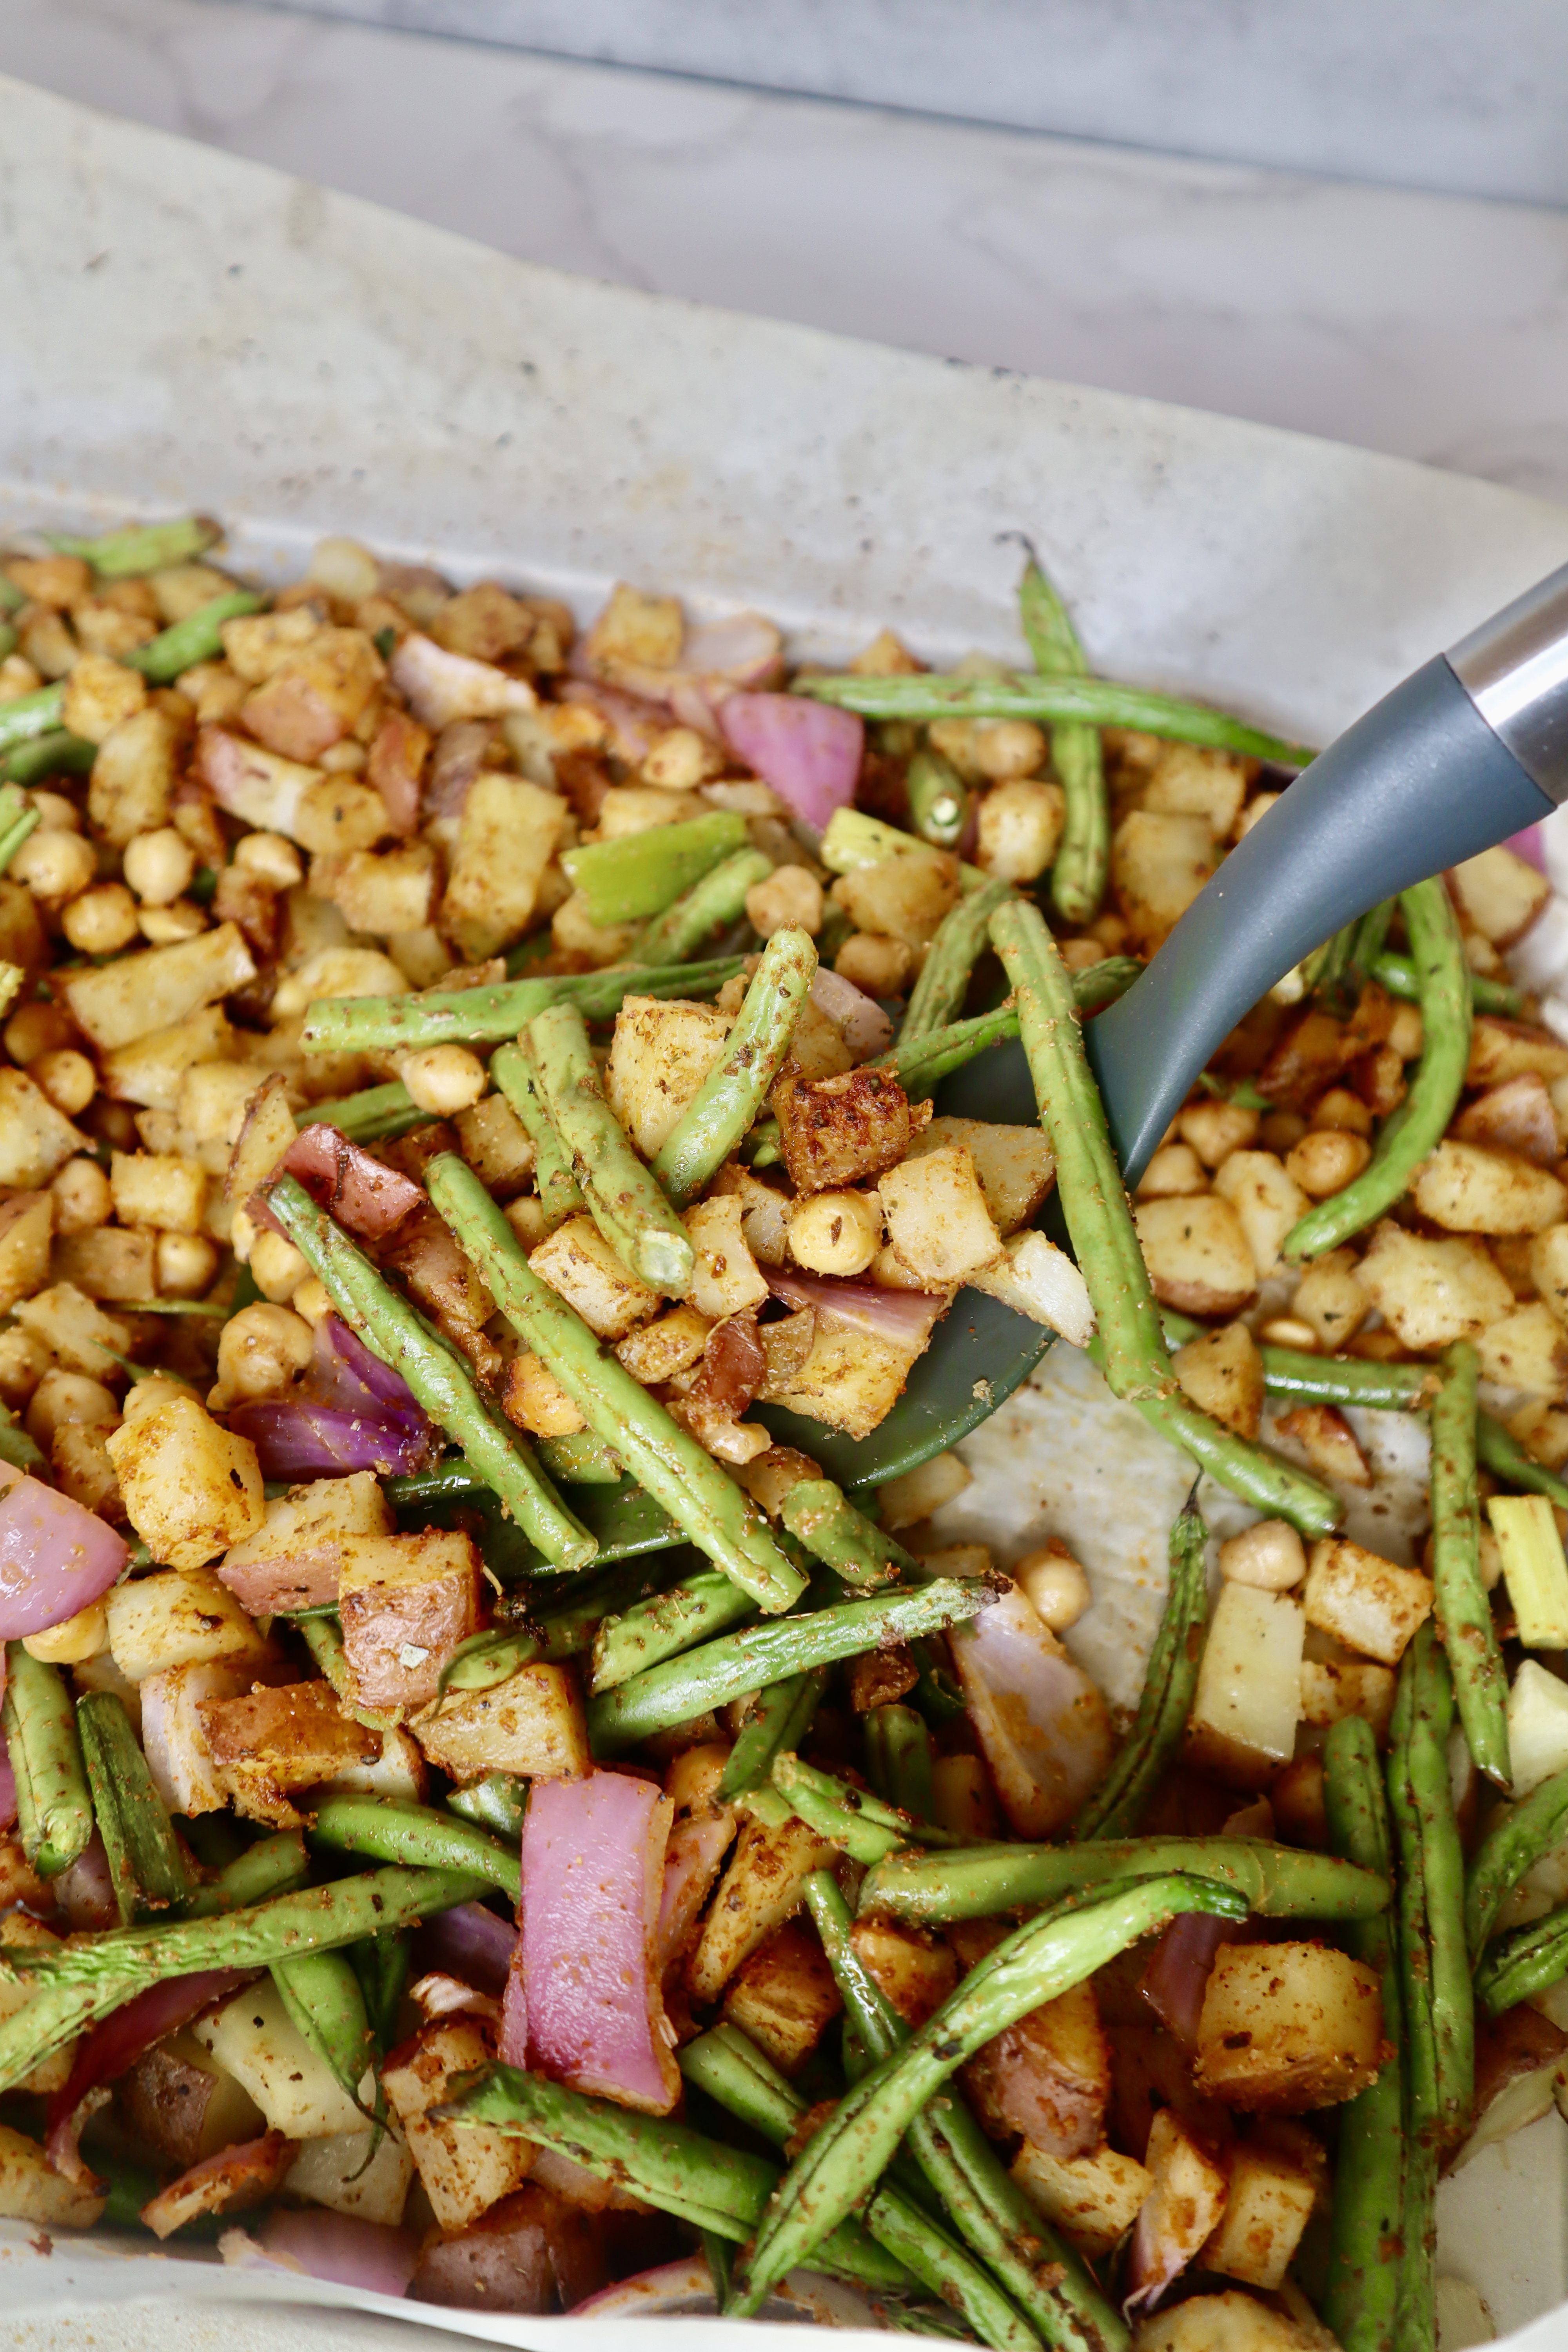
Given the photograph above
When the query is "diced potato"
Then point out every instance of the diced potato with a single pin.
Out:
(765, 1211)
(1036, 1278)
(1048, 2076)
(1433, 1292)
(1268, 1202)
(159, 1190)
(761, 1889)
(1248, 1696)
(76, 1332)
(1227, 2322)
(1018, 828)
(659, 1055)
(282, 1736)
(253, 2038)
(785, 1996)
(645, 631)
(253, 782)
(1159, 863)
(34, 1138)
(1197, 1253)
(1532, 1562)
(1216, 1129)
(1549, 1269)
(914, 1970)
(903, 896)
(1329, 1692)
(1366, 1602)
(334, 2172)
(1222, 1372)
(664, 1349)
(937, 1217)
(506, 835)
(1175, 1170)
(727, 1279)
(920, 1491)
(388, 891)
(1013, 1164)
(258, 643)
(1268, 2205)
(534, 1399)
(849, 1379)
(1466, 1189)
(1537, 1726)
(295, 1558)
(1287, 2027)
(185, 1772)
(493, 1141)
(579, 1265)
(404, 1603)
(1506, 1049)
(1527, 1349)
(1329, 1444)
(314, 697)
(99, 693)
(531, 1725)
(334, 970)
(152, 1070)
(1186, 780)
(178, 1617)
(465, 2170)
(1041, 1724)
(32, 2190)
(1500, 894)
(116, 1003)
(267, 1132)
(192, 1489)
(842, 1130)
(1093, 2199)
(133, 776)
(26, 1221)
(1187, 2200)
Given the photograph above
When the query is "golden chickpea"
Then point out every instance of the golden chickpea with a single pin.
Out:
(443, 1079)
(881, 966)
(836, 1233)
(259, 1352)
(101, 919)
(1006, 749)
(790, 900)
(1339, 1108)
(1281, 1130)
(1080, 955)
(1405, 1033)
(1269, 1555)
(312, 1301)
(1327, 1160)
(165, 926)
(681, 761)
(271, 857)
(187, 1264)
(35, 1029)
(1174, 1171)
(82, 1198)
(1289, 1331)
(55, 867)
(73, 1640)
(67, 1077)
(1257, 806)
(55, 814)
(277, 1266)
(159, 865)
(1055, 1585)
(61, 1397)
(23, 1363)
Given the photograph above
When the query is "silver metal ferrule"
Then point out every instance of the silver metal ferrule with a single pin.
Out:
(1514, 668)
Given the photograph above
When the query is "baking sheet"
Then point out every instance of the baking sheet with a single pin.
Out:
(185, 329)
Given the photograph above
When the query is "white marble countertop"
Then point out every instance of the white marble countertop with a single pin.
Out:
(1429, 326)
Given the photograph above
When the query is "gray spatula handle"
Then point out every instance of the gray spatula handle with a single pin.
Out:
(1472, 748)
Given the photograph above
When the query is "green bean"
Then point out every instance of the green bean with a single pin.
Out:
(712, 904)
(146, 1868)
(373, 1114)
(977, 2192)
(667, 2164)
(325, 2001)
(691, 1611)
(78, 1982)
(54, 1810)
(1463, 1611)
(56, 754)
(1105, 1241)
(581, 1460)
(439, 1378)
(1396, 974)
(1517, 1838)
(640, 874)
(26, 716)
(939, 799)
(484, 1660)
(1435, 1965)
(1279, 1882)
(778, 1719)
(382, 1965)
(17, 820)
(516, 1073)
(17, 1447)
(141, 547)
(1084, 701)
(624, 1199)
(726, 2065)
(748, 1661)
(567, 1628)
(856, 841)
(1339, 1379)
(737, 1086)
(1119, 1804)
(964, 933)
(1498, 1451)
(1037, 1963)
(415, 1834)
(1528, 1960)
(198, 638)
(1419, 1125)
(899, 1763)
(1361, 2301)
(670, 1464)
(487, 1016)
(855, 1819)
(273, 1865)
(922, 1063)
(822, 1518)
(323, 1637)
(497, 1803)
(1083, 856)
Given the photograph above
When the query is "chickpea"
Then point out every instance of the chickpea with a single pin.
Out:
(343, 758)
(259, 1352)
(1055, 1585)
(681, 761)
(1006, 749)
(1080, 955)
(836, 1233)
(82, 1198)
(60, 1397)
(443, 1079)
(164, 927)
(312, 1301)
(1339, 1108)
(159, 865)
(55, 867)
(277, 1267)
(187, 1264)
(881, 966)
(1289, 1331)
(35, 1029)
(1216, 1129)
(1281, 1129)
(1174, 1171)
(1269, 1555)
(1326, 1160)
(789, 899)
(101, 919)
(23, 1363)
(67, 1077)
(73, 1640)
(1257, 806)
(271, 857)
(1405, 1034)
(55, 814)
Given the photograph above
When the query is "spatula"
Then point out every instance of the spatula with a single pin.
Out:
(1470, 749)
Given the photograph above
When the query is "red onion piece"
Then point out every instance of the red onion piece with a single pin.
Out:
(858, 1018)
(1041, 1722)
(342, 2248)
(367, 1198)
(436, 1996)
(743, 649)
(458, 756)
(351, 1412)
(901, 1319)
(442, 687)
(55, 1556)
(809, 751)
(691, 1862)
(1177, 1974)
(593, 1862)
(635, 723)
(470, 1942)
(397, 757)
(113, 2046)
(1529, 845)
(85, 1892)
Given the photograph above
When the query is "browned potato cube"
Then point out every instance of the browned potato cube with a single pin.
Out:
(1047, 2077)
(1432, 1292)
(1268, 2205)
(661, 1054)
(576, 1261)
(133, 776)
(1222, 1372)
(493, 1141)
(785, 1996)
(1506, 1049)
(937, 1218)
(34, 1138)
(272, 1741)
(531, 2253)
(761, 1888)
(1159, 863)
(1366, 1602)
(1013, 1164)
(903, 896)
(465, 2170)
(1466, 1189)
(1196, 1253)
(26, 1222)
(32, 2190)
(192, 1489)
(1227, 2322)
(1286, 2027)
(531, 1725)
(1527, 1349)
(1189, 781)
(1328, 1442)
(404, 1603)
(1500, 894)
(915, 1970)
(179, 2105)
(1093, 2199)
(313, 699)
(849, 1379)
(506, 835)
(843, 1129)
